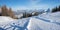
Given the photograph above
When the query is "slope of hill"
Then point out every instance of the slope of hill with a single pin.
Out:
(44, 21)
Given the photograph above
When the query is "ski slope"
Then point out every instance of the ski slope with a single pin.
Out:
(52, 17)
(50, 21)
(45, 21)
(38, 24)
(8, 23)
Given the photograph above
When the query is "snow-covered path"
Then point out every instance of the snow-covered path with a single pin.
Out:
(40, 22)
(19, 24)
(46, 20)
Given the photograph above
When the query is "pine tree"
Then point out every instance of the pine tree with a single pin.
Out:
(0, 9)
(54, 9)
(59, 8)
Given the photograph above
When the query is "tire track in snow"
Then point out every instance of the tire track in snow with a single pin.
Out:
(47, 20)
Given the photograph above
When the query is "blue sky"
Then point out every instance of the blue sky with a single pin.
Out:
(30, 4)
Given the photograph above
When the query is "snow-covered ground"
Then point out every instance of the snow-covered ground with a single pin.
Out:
(38, 24)
(50, 21)
(52, 17)
(8, 23)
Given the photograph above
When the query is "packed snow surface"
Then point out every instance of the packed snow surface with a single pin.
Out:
(38, 24)
(8, 23)
(50, 21)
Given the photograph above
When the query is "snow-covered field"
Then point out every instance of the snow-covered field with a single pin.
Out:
(44, 21)
(38, 24)
(8, 23)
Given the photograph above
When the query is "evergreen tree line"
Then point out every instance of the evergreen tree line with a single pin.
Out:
(56, 9)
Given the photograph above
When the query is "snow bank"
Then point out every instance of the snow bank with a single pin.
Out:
(5, 20)
(37, 24)
(42, 22)
(12, 24)
(52, 17)
(56, 14)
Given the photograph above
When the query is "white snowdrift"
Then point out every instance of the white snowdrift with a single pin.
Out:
(33, 22)
(53, 17)
(9, 23)
(37, 24)
(5, 20)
